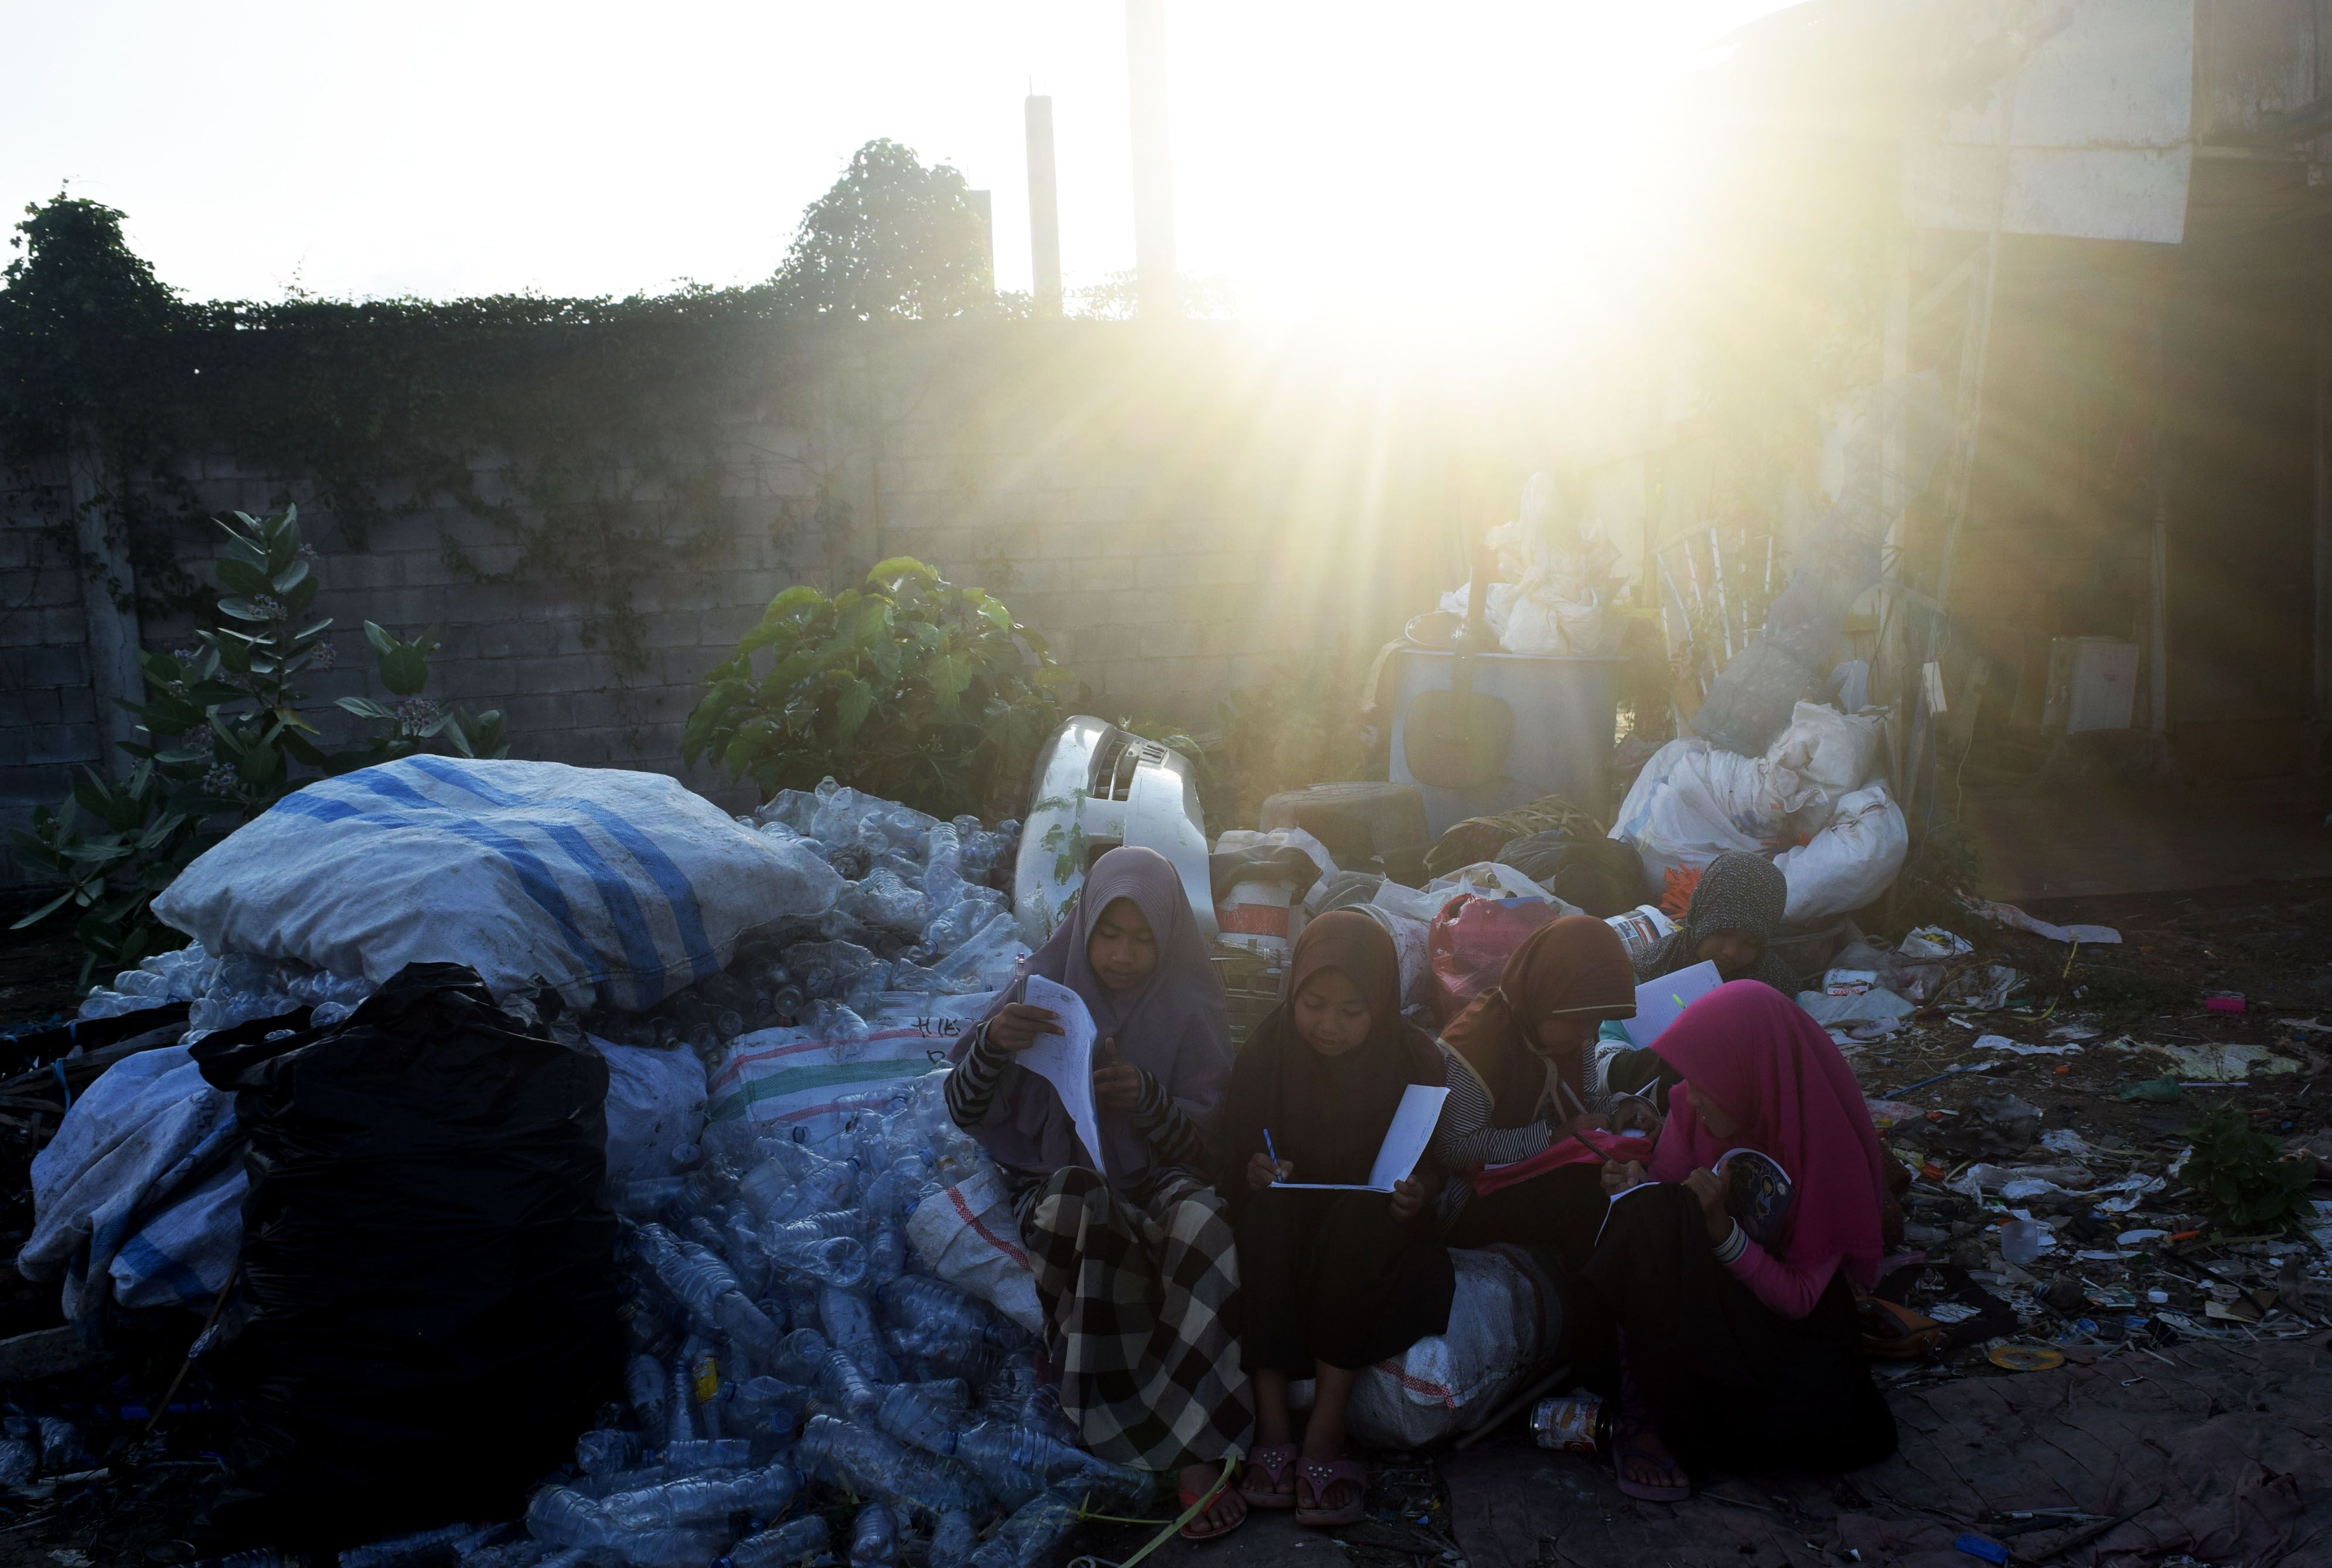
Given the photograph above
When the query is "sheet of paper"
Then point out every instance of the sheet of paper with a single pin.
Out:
(1404, 1144)
(1066, 1061)
(1658, 1001)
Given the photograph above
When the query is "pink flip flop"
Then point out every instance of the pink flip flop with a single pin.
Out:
(1274, 1460)
(1318, 1477)
(1624, 1448)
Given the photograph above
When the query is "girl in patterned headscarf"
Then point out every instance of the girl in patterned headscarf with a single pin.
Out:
(1736, 906)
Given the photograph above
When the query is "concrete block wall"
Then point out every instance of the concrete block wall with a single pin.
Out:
(1172, 542)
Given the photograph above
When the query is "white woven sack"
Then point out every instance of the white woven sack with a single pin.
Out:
(967, 1236)
(605, 883)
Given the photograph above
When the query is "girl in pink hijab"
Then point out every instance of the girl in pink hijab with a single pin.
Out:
(1733, 1353)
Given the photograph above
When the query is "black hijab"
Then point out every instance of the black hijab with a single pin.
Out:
(1327, 1115)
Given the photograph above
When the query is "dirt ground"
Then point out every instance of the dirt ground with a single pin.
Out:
(1504, 1502)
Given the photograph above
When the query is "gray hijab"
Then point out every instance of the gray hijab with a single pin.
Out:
(1738, 891)
(1177, 1026)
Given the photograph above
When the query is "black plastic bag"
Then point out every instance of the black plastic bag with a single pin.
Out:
(428, 1266)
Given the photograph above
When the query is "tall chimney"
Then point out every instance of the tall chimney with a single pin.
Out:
(1044, 205)
(1158, 285)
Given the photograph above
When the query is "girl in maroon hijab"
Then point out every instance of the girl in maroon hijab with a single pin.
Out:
(1735, 1355)
(1330, 1282)
(1137, 1269)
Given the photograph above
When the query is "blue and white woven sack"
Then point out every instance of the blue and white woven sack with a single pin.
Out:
(605, 883)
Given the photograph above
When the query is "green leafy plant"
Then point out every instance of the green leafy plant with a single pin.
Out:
(913, 688)
(2244, 1174)
(226, 738)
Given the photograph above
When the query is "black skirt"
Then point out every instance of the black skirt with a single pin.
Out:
(1732, 1384)
(1334, 1277)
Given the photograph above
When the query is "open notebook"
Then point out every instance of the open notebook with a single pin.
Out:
(1404, 1145)
(1757, 1192)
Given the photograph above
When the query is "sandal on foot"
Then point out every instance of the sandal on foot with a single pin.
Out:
(1205, 1501)
(1317, 1476)
(1275, 1460)
(1624, 1448)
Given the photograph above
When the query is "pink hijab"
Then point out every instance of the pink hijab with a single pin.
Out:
(1756, 1054)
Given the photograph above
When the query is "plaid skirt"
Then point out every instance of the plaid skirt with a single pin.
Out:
(1137, 1287)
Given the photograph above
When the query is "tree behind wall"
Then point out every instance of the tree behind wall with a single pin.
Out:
(892, 238)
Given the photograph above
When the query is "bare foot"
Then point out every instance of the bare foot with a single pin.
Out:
(1223, 1514)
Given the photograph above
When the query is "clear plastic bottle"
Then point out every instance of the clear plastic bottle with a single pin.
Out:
(700, 1281)
(788, 1543)
(847, 1454)
(826, 1261)
(1017, 1463)
(644, 1385)
(680, 1403)
(931, 1312)
(416, 1546)
(806, 1358)
(875, 1537)
(700, 1454)
(924, 1416)
(564, 1517)
(606, 1451)
(953, 1540)
(849, 1325)
(887, 1255)
(704, 1499)
(1028, 1538)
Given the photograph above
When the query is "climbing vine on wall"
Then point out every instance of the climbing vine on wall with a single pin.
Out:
(589, 433)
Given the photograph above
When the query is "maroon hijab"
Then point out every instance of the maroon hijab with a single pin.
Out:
(1772, 1068)
(1575, 965)
(1177, 1025)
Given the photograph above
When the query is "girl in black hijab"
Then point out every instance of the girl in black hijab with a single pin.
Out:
(1330, 1282)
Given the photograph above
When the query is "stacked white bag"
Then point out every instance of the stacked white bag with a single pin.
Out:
(1816, 803)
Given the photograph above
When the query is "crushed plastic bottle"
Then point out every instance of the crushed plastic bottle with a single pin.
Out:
(849, 1325)
(926, 1415)
(1028, 1538)
(875, 1537)
(700, 1281)
(953, 1540)
(1017, 1463)
(644, 1385)
(700, 1454)
(566, 1517)
(416, 1547)
(929, 1313)
(872, 1465)
(807, 1359)
(789, 1542)
(704, 1499)
(606, 1451)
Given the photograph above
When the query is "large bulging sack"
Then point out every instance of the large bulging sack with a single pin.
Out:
(606, 884)
(139, 1196)
(429, 1277)
(1505, 1320)
(1849, 863)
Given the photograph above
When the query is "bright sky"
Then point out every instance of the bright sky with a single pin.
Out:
(1330, 155)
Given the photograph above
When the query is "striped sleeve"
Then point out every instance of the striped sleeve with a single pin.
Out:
(1166, 1127)
(971, 1081)
(1465, 1138)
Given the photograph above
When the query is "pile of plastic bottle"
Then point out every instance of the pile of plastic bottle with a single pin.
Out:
(788, 1360)
(798, 1390)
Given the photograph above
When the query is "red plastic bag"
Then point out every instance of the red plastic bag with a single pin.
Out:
(1468, 946)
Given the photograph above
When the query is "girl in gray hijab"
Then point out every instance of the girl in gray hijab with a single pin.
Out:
(1137, 1269)
(1736, 906)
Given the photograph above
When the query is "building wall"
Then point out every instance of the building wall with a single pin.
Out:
(1178, 512)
